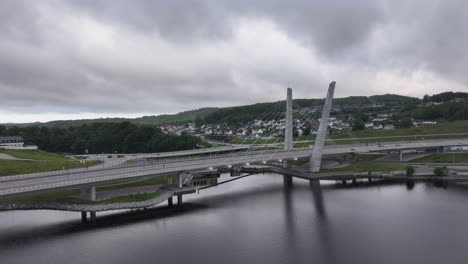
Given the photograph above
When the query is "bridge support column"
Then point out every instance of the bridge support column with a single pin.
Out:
(92, 217)
(169, 202)
(180, 180)
(84, 217)
(92, 193)
(235, 171)
(317, 152)
(400, 155)
(287, 180)
(179, 199)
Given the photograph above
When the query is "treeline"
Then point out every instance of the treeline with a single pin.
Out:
(444, 97)
(123, 137)
(179, 118)
(448, 111)
(242, 114)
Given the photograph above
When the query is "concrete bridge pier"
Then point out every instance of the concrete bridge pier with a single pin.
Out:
(287, 179)
(92, 193)
(179, 199)
(92, 197)
(84, 217)
(92, 217)
(400, 155)
(235, 171)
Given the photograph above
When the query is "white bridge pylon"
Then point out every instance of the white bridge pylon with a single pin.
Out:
(317, 152)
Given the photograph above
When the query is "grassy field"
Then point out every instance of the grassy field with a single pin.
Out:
(444, 158)
(298, 162)
(441, 128)
(41, 197)
(368, 157)
(14, 167)
(368, 166)
(38, 161)
(33, 154)
(126, 199)
(147, 182)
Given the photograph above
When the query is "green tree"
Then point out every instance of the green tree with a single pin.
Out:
(426, 99)
(406, 122)
(441, 171)
(358, 125)
(409, 171)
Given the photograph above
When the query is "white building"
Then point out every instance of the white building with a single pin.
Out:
(14, 142)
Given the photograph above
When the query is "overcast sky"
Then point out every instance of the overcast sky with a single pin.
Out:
(106, 58)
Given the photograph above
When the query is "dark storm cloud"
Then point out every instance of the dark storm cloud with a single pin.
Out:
(166, 56)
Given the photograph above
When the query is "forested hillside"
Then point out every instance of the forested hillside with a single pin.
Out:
(123, 137)
(400, 106)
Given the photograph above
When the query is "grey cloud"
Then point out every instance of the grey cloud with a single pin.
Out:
(332, 25)
(42, 68)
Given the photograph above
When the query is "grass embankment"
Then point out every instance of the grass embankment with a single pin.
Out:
(42, 197)
(444, 158)
(298, 162)
(147, 182)
(368, 157)
(39, 161)
(35, 154)
(126, 199)
(14, 167)
(368, 166)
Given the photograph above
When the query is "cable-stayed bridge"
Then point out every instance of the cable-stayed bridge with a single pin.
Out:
(224, 157)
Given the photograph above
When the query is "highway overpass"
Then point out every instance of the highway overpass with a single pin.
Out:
(14, 185)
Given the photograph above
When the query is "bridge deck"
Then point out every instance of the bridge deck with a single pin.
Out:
(28, 183)
(162, 197)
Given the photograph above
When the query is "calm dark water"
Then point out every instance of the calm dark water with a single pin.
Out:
(255, 220)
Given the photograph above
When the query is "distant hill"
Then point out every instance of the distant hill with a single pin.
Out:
(240, 114)
(393, 99)
(446, 96)
(179, 118)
